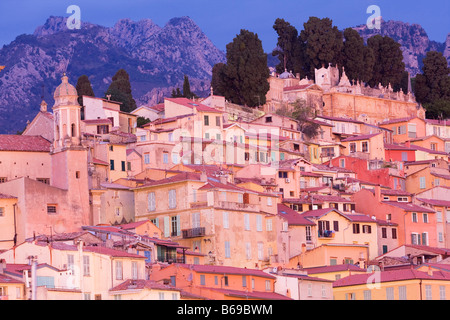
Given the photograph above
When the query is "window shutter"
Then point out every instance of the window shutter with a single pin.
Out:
(178, 225)
(166, 226)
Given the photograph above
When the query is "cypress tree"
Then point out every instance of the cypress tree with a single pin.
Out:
(244, 77)
(84, 88)
(120, 91)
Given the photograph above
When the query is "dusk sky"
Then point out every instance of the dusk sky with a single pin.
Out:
(222, 20)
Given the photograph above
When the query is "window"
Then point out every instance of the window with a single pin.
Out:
(161, 295)
(202, 280)
(352, 147)
(244, 281)
(333, 261)
(119, 270)
(269, 201)
(227, 249)
(385, 249)
(51, 209)
(308, 233)
(424, 239)
(268, 119)
(248, 250)
(206, 120)
(342, 163)
(225, 281)
(336, 225)
(428, 292)
(86, 266)
(324, 291)
(247, 221)
(442, 292)
(365, 146)
(47, 180)
(146, 158)
(175, 222)
(414, 217)
(226, 224)
(350, 296)
(165, 157)
(437, 182)
(260, 251)
(143, 138)
(402, 293)
(414, 238)
(2, 211)
(134, 270)
(422, 182)
(438, 216)
(394, 233)
(366, 229)
(123, 166)
(174, 296)
(3, 179)
(367, 295)
(440, 237)
(111, 165)
(268, 287)
(384, 233)
(151, 201)
(269, 225)
(411, 130)
(402, 199)
(425, 217)
(390, 293)
(401, 129)
(258, 223)
(355, 227)
(282, 174)
(217, 121)
(172, 199)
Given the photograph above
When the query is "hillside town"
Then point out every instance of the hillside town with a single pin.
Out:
(212, 200)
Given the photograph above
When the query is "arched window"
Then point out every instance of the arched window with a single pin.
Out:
(57, 132)
(73, 134)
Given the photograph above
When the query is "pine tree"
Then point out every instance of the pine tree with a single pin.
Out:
(187, 93)
(244, 78)
(322, 42)
(389, 65)
(288, 48)
(120, 91)
(432, 87)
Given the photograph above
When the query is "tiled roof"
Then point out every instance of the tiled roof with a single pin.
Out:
(360, 218)
(101, 162)
(335, 268)
(397, 120)
(435, 202)
(392, 275)
(184, 176)
(252, 294)
(297, 87)
(142, 284)
(339, 119)
(4, 279)
(361, 137)
(443, 176)
(409, 207)
(24, 143)
(438, 122)
(226, 270)
(389, 146)
(191, 104)
(98, 121)
(293, 217)
(317, 213)
(419, 148)
(6, 196)
(391, 192)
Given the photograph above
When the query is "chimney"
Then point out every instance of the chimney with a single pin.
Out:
(223, 179)
(2, 266)
(430, 271)
(203, 177)
(377, 193)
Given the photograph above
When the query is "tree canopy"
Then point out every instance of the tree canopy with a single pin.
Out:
(244, 78)
(84, 88)
(432, 87)
(120, 91)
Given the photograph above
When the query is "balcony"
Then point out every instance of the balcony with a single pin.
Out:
(236, 206)
(326, 234)
(193, 233)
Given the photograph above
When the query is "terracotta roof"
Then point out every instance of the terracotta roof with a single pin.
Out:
(132, 225)
(318, 213)
(419, 148)
(184, 176)
(360, 218)
(101, 162)
(389, 146)
(297, 87)
(409, 207)
(4, 279)
(191, 104)
(142, 284)
(253, 294)
(6, 196)
(438, 122)
(226, 270)
(435, 202)
(98, 121)
(361, 137)
(159, 107)
(391, 192)
(391, 275)
(397, 120)
(335, 268)
(339, 119)
(443, 176)
(293, 217)
(24, 143)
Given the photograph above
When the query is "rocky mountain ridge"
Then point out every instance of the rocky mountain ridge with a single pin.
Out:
(156, 58)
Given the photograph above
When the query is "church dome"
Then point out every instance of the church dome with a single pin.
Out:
(65, 88)
(286, 75)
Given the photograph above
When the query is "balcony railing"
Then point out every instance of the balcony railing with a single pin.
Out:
(193, 233)
(326, 234)
(236, 206)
